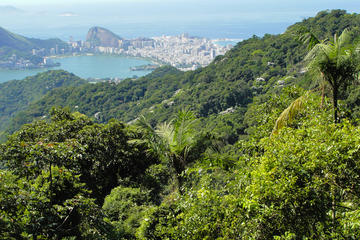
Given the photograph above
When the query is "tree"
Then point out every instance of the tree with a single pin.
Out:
(336, 61)
(100, 153)
(28, 211)
(172, 140)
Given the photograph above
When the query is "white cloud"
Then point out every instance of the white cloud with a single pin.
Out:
(68, 14)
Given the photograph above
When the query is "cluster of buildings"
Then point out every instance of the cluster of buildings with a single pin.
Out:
(183, 52)
(15, 62)
(57, 50)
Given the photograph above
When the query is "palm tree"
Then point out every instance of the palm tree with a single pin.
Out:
(337, 62)
(172, 141)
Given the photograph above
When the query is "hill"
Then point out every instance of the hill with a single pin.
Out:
(16, 95)
(98, 36)
(11, 43)
(219, 93)
(70, 177)
(108, 100)
(12, 40)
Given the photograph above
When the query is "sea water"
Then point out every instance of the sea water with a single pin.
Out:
(96, 66)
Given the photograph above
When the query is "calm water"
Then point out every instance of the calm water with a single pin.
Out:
(227, 42)
(87, 67)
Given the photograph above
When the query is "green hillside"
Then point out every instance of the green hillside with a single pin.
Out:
(11, 43)
(253, 67)
(11, 40)
(16, 95)
(261, 144)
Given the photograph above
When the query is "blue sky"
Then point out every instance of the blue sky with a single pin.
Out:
(131, 18)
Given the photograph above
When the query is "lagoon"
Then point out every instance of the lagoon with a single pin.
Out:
(96, 66)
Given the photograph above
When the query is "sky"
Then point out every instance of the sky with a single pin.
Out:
(134, 18)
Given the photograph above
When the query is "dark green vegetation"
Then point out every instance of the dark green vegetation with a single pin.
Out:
(11, 43)
(254, 67)
(16, 95)
(207, 160)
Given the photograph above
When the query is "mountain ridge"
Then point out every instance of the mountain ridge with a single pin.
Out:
(12, 43)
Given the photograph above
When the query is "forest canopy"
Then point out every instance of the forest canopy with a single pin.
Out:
(251, 147)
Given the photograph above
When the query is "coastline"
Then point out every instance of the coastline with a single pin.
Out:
(152, 60)
(113, 66)
(31, 68)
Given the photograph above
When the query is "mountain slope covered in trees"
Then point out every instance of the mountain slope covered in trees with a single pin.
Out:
(16, 95)
(220, 92)
(70, 177)
(11, 43)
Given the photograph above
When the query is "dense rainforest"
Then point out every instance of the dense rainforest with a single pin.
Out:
(16, 95)
(261, 144)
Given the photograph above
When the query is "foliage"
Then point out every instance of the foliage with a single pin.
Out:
(16, 95)
(73, 177)
(303, 181)
(337, 62)
(36, 209)
(174, 141)
(254, 67)
(263, 113)
(96, 151)
(288, 115)
(125, 208)
(300, 184)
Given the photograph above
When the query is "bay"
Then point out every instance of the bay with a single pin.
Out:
(225, 43)
(96, 66)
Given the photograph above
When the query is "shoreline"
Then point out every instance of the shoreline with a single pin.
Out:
(30, 68)
(22, 73)
(153, 61)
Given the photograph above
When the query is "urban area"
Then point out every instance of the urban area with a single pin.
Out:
(183, 52)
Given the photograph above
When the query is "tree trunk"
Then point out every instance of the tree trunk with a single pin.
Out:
(51, 182)
(322, 95)
(322, 86)
(179, 167)
(335, 104)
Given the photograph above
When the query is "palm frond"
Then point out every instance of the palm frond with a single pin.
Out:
(143, 123)
(309, 39)
(166, 132)
(305, 36)
(149, 137)
(289, 114)
(183, 127)
(321, 49)
(343, 39)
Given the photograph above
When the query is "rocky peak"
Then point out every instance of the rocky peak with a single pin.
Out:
(98, 36)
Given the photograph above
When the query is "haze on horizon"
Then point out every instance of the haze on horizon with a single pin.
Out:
(134, 18)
